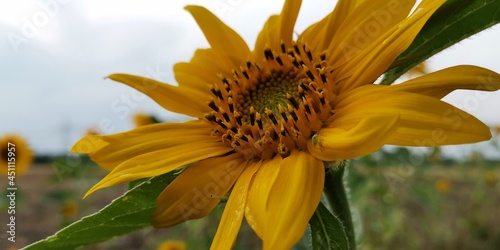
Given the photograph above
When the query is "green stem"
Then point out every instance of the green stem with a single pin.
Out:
(335, 192)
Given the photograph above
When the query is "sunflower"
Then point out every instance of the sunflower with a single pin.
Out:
(269, 118)
(20, 157)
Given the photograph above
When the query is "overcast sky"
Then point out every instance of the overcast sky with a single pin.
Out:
(55, 55)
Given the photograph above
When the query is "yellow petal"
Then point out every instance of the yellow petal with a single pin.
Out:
(211, 62)
(370, 21)
(88, 144)
(111, 150)
(195, 127)
(257, 197)
(202, 71)
(266, 35)
(197, 190)
(440, 83)
(423, 120)
(319, 35)
(133, 145)
(221, 38)
(373, 60)
(161, 161)
(283, 207)
(179, 100)
(194, 78)
(127, 149)
(291, 206)
(278, 29)
(233, 212)
(367, 135)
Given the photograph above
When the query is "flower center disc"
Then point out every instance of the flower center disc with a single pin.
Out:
(268, 93)
(275, 106)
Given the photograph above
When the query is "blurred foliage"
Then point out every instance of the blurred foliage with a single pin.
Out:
(429, 202)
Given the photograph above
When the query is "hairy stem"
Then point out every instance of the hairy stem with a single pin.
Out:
(335, 192)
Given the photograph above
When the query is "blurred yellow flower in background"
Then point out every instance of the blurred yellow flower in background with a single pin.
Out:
(92, 131)
(267, 119)
(69, 209)
(442, 185)
(496, 129)
(172, 245)
(420, 69)
(142, 119)
(20, 154)
(491, 178)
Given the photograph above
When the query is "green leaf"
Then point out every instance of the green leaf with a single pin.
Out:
(130, 212)
(450, 24)
(327, 231)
